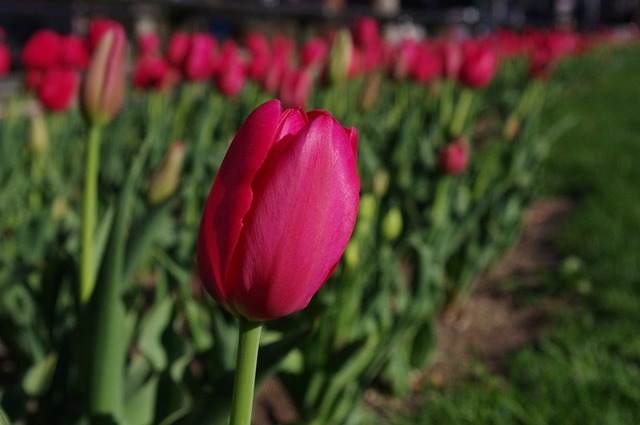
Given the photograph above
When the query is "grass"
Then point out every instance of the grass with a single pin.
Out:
(586, 370)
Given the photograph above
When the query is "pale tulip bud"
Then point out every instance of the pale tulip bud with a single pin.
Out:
(38, 134)
(103, 90)
(167, 176)
(392, 224)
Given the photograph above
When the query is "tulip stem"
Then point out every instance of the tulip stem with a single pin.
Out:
(461, 112)
(87, 272)
(243, 388)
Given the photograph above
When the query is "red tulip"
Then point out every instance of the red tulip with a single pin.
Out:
(199, 62)
(58, 88)
(296, 87)
(74, 53)
(453, 158)
(365, 31)
(280, 213)
(451, 59)
(42, 50)
(231, 77)
(178, 48)
(150, 72)
(5, 59)
(427, 66)
(97, 28)
(148, 43)
(314, 52)
(103, 90)
(260, 56)
(480, 64)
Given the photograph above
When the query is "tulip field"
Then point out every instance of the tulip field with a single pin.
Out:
(390, 173)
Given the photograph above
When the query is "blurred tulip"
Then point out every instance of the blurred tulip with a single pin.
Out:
(314, 52)
(451, 59)
(231, 77)
(453, 158)
(150, 71)
(366, 31)
(42, 50)
(260, 56)
(58, 88)
(406, 57)
(166, 177)
(103, 90)
(199, 63)
(74, 53)
(148, 43)
(5, 59)
(340, 57)
(296, 87)
(427, 66)
(280, 213)
(97, 28)
(38, 134)
(480, 64)
(178, 48)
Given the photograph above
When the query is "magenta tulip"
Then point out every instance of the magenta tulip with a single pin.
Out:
(280, 213)
(58, 88)
(453, 158)
(42, 50)
(5, 59)
(479, 66)
(74, 52)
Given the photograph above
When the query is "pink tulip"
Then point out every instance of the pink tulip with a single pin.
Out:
(280, 213)
(480, 64)
(103, 90)
(5, 59)
(58, 88)
(451, 59)
(296, 87)
(199, 62)
(178, 49)
(150, 72)
(366, 31)
(74, 52)
(260, 56)
(97, 28)
(148, 43)
(453, 158)
(41, 50)
(232, 76)
(427, 66)
(314, 52)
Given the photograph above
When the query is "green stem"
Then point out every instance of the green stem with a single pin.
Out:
(248, 343)
(462, 110)
(89, 211)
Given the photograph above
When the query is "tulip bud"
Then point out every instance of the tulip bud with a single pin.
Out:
(370, 90)
(392, 224)
(381, 183)
(166, 177)
(368, 207)
(512, 127)
(103, 90)
(340, 56)
(453, 158)
(59, 208)
(38, 134)
(352, 254)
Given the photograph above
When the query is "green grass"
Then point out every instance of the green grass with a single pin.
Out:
(586, 369)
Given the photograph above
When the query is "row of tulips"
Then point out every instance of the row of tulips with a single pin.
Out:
(103, 314)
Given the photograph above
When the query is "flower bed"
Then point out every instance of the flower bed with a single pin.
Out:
(449, 144)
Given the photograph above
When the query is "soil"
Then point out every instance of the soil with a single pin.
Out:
(486, 327)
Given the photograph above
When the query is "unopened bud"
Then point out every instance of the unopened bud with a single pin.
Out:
(352, 254)
(103, 90)
(166, 177)
(59, 208)
(367, 210)
(511, 127)
(370, 91)
(38, 134)
(381, 183)
(340, 56)
(392, 224)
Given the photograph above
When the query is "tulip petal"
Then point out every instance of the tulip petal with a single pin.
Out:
(231, 194)
(301, 218)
